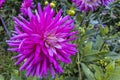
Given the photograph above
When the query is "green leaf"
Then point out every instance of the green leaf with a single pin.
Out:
(88, 45)
(15, 72)
(79, 17)
(13, 77)
(31, 78)
(98, 72)
(87, 48)
(109, 70)
(89, 74)
(113, 55)
(2, 77)
(90, 58)
(71, 78)
(59, 78)
(113, 74)
(1, 28)
(106, 30)
(99, 42)
(110, 66)
(92, 52)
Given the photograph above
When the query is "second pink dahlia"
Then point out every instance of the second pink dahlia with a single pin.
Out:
(106, 2)
(1, 3)
(86, 5)
(25, 5)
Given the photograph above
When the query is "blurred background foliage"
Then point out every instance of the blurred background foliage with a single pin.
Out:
(98, 42)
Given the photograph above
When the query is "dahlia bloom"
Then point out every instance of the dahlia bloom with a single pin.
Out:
(25, 5)
(86, 5)
(43, 41)
(106, 2)
(1, 3)
(90, 5)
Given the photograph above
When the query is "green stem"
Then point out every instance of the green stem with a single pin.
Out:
(4, 26)
(102, 45)
(78, 58)
(83, 19)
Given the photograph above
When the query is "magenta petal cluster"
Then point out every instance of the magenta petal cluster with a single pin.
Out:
(43, 42)
(87, 5)
(106, 2)
(25, 5)
(1, 3)
(90, 5)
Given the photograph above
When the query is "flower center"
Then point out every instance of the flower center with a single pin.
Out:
(51, 40)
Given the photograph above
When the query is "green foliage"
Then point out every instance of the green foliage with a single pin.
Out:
(98, 43)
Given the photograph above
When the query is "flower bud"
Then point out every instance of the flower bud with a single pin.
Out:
(52, 5)
(71, 12)
(46, 3)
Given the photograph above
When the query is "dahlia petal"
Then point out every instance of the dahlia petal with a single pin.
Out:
(28, 72)
(20, 60)
(33, 72)
(69, 52)
(13, 41)
(49, 18)
(50, 52)
(58, 46)
(38, 70)
(73, 33)
(61, 34)
(62, 59)
(65, 19)
(57, 67)
(69, 22)
(28, 47)
(51, 71)
(21, 44)
(23, 19)
(38, 17)
(22, 25)
(20, 36)
(16, 57)
(30, 65)
(73, 38)
(45, 67)
(12, 44)
(60, 40)
(39, 9)
(26, 63)
(30, 13)
(57, 17)
(72, 45)
(13, 49)
(37, 54)
(16, 28)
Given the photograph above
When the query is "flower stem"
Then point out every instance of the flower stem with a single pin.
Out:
(78, 59)
(84, 16)
(102, 45)
(4, 26)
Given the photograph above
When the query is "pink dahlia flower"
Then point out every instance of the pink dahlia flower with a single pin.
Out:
(106, 2)
(1, 3)
(90, 5)
(86, 5)
(25, 5)
(43, 42)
